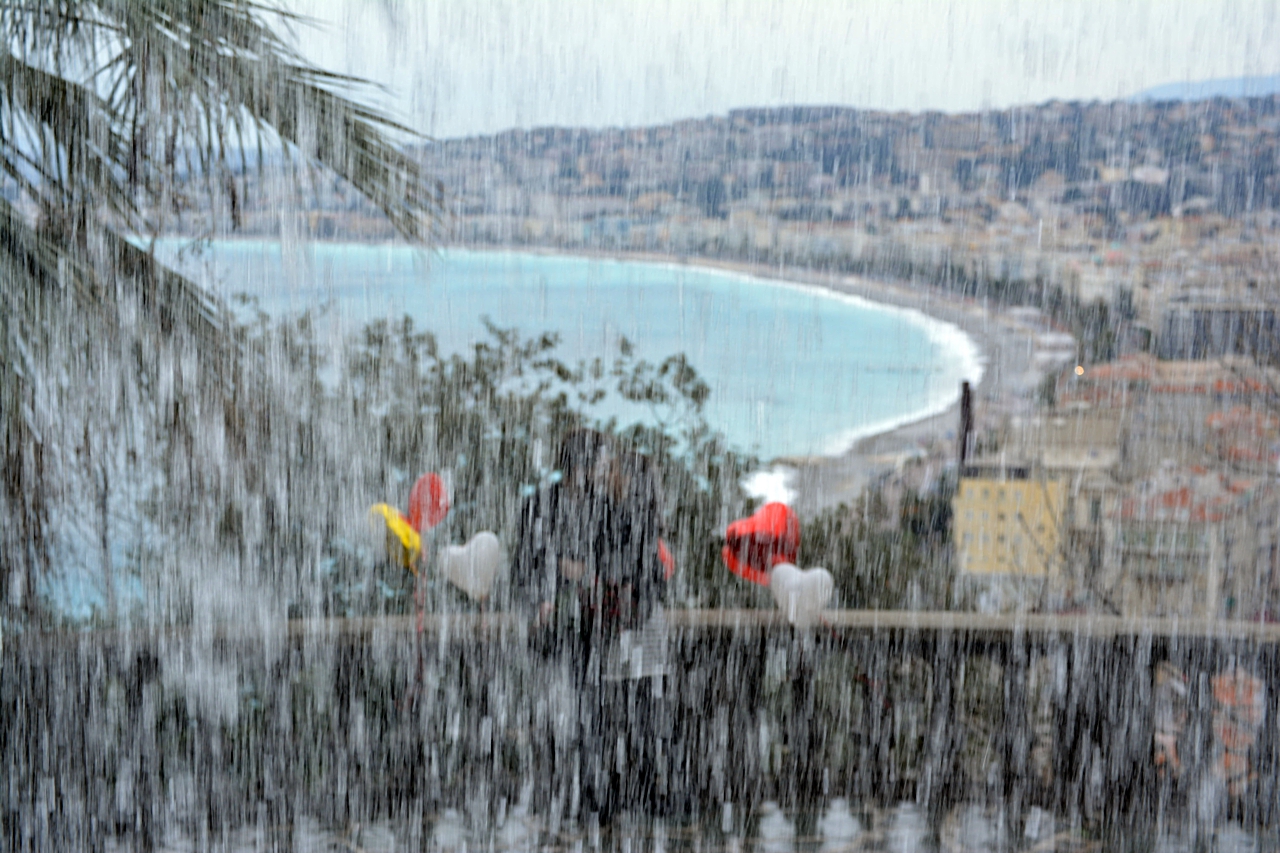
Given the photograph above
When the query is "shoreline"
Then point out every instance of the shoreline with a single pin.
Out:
(1005, 351)
(1004, 345)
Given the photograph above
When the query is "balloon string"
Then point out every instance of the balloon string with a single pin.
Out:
(419, 605)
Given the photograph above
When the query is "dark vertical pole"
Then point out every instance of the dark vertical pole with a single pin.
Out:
(966, 421)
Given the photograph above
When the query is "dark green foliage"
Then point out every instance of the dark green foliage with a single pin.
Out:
(880, 565)
(491, 419)
(927, 516)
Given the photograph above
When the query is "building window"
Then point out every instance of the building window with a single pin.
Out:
(1095, 511)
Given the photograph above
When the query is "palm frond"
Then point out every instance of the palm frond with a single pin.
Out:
(42, 264)
(106, 108)
(60, 142)
(210, 70)
(99, 101)
(173, 300)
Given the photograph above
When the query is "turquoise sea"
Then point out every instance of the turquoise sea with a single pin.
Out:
(795, 370)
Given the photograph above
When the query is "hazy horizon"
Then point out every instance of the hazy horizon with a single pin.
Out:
(456, 68)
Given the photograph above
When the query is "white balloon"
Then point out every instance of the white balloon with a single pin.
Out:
(801, 594)
(474, 567)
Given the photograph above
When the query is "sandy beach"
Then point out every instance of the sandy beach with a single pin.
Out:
(1007, 387)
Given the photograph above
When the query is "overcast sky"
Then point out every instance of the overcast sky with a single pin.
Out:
(461, 67)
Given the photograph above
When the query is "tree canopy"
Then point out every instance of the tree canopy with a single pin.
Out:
(116, 115)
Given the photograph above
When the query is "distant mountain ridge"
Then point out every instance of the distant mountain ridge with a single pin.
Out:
(1203, 90)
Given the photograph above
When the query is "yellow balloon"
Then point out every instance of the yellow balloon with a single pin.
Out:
(404, 545)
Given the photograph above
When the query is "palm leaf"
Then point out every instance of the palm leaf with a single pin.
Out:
(105, 106)
(59, 142)
(161, 77)
(215, 70)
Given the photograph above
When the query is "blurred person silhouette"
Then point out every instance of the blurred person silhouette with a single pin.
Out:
(560, 529)
(588, 569)
(626, 717)
(561, 532)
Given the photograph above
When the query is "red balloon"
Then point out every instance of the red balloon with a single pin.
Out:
(667, 560)
(755, 545)
(428, 502)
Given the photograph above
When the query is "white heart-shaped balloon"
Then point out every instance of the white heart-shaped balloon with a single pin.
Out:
(474, 567)
(801, 595)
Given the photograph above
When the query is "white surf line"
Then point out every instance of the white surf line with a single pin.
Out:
(956, 345)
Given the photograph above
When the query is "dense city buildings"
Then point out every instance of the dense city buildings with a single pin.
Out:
(1162, 210)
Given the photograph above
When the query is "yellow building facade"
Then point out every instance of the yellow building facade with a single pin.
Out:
(1008, 526)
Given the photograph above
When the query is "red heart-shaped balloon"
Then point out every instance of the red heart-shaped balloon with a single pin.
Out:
(667, 559)
(755, 545)
(428, 502)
